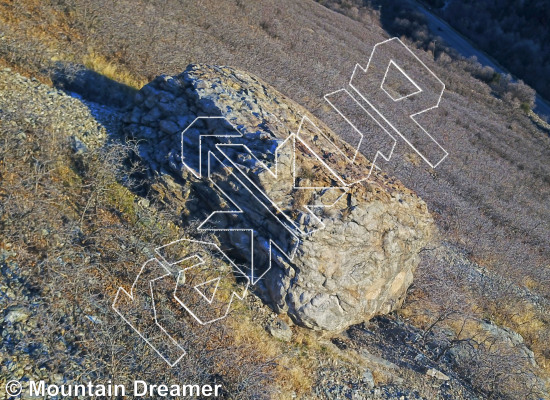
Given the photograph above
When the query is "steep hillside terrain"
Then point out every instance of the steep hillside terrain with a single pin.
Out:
(515, 33)
(479, 306)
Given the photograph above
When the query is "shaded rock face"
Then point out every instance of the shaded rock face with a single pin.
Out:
(339, 255)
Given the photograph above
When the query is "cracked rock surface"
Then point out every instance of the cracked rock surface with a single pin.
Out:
(333, 266)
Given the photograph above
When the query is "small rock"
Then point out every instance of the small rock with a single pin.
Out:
(145, 203)
(16, 314)
(368, 378)
(437, 374)
(78, 146)
(279, 329)
(169, 127)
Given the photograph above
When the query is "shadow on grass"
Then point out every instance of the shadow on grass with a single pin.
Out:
(91, 86)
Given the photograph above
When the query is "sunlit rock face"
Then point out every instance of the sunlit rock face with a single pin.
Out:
(327, 254)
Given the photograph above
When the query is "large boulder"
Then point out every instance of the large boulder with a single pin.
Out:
(332, 265)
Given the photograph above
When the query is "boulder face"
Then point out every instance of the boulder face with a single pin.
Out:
(328, 254)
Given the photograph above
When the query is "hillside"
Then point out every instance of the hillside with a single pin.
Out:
(516, 34)
(84, 203)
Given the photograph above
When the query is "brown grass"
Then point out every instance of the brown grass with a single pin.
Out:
(488, 197)
(112, 70)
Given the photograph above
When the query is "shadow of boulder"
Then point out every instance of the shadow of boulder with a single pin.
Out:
(91, 86)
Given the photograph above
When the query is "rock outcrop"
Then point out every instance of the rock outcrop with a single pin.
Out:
(333, 265)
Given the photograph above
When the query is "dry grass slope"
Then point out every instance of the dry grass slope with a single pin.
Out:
(490, 197)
